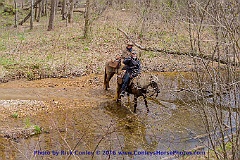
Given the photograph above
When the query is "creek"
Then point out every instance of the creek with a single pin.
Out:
(79, 118)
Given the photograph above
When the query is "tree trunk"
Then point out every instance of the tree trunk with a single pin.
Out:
(52, 15)
(56, 3)
(70, 14)
(39, 12)
(86, 27)
(15, 17)
(36, 12)
(31, 20)
(64, 10)
(43, 8)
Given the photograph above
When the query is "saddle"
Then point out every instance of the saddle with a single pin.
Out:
(116, 63)
(113, 64)
(120, 78)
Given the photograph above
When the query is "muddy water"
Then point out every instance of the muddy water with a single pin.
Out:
(78, 115)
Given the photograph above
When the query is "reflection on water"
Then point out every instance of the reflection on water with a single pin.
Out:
(132, 130)
(162, 129)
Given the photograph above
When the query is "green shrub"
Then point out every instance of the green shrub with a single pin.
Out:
(2, 47)
(37, 129)
(15, 115)
(27, 123)
(8, 10)
(6, 61)
(30, 75)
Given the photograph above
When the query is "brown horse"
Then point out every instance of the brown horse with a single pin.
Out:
(138, 91)
(111, 68)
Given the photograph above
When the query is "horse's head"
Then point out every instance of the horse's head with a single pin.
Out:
(118, 57)
(152, 87)
(155, 88)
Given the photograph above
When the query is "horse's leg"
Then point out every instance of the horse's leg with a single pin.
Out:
(106, 82)
(145, 100)
(111, 74)
(119, 86)
(135, 103)
(108, 77)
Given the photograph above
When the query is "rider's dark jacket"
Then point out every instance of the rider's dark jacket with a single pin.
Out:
(133, 66)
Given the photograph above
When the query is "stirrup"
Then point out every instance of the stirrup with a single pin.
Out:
(122, 94)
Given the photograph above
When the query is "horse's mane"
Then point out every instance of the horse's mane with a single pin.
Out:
(144, 80)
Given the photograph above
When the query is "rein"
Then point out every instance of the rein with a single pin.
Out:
(155, 90)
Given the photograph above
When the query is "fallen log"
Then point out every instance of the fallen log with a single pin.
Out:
(81, 10)
(29, 14)
(191, 54)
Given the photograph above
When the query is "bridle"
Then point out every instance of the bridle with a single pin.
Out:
(154, 85)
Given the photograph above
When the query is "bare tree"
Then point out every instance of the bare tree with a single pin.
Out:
(63, 12)
(93, 11)
(30, 13)
(15, 17)
(36, 12)
(221, 113)
(52, 15)
(45, 7)
(70, 13)
(31, 20)
(86, 26)
(39, 12)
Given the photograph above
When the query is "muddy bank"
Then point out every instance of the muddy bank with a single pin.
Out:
(35, 71)
(32, 96)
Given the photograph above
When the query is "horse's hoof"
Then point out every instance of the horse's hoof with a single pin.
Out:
(105, 88)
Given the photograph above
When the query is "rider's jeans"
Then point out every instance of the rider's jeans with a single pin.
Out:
(126, 80)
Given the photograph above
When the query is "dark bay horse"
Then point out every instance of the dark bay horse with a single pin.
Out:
(138, 91)
(115, 67)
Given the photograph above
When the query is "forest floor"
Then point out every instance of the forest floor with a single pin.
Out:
(38, 53)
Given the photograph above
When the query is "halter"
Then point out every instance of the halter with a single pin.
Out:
(154, 85)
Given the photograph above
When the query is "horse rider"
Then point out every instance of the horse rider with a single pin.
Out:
(133, 69)
(126, 52)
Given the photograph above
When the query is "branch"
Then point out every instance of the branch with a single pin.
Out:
(29, 14)
(191, 54)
